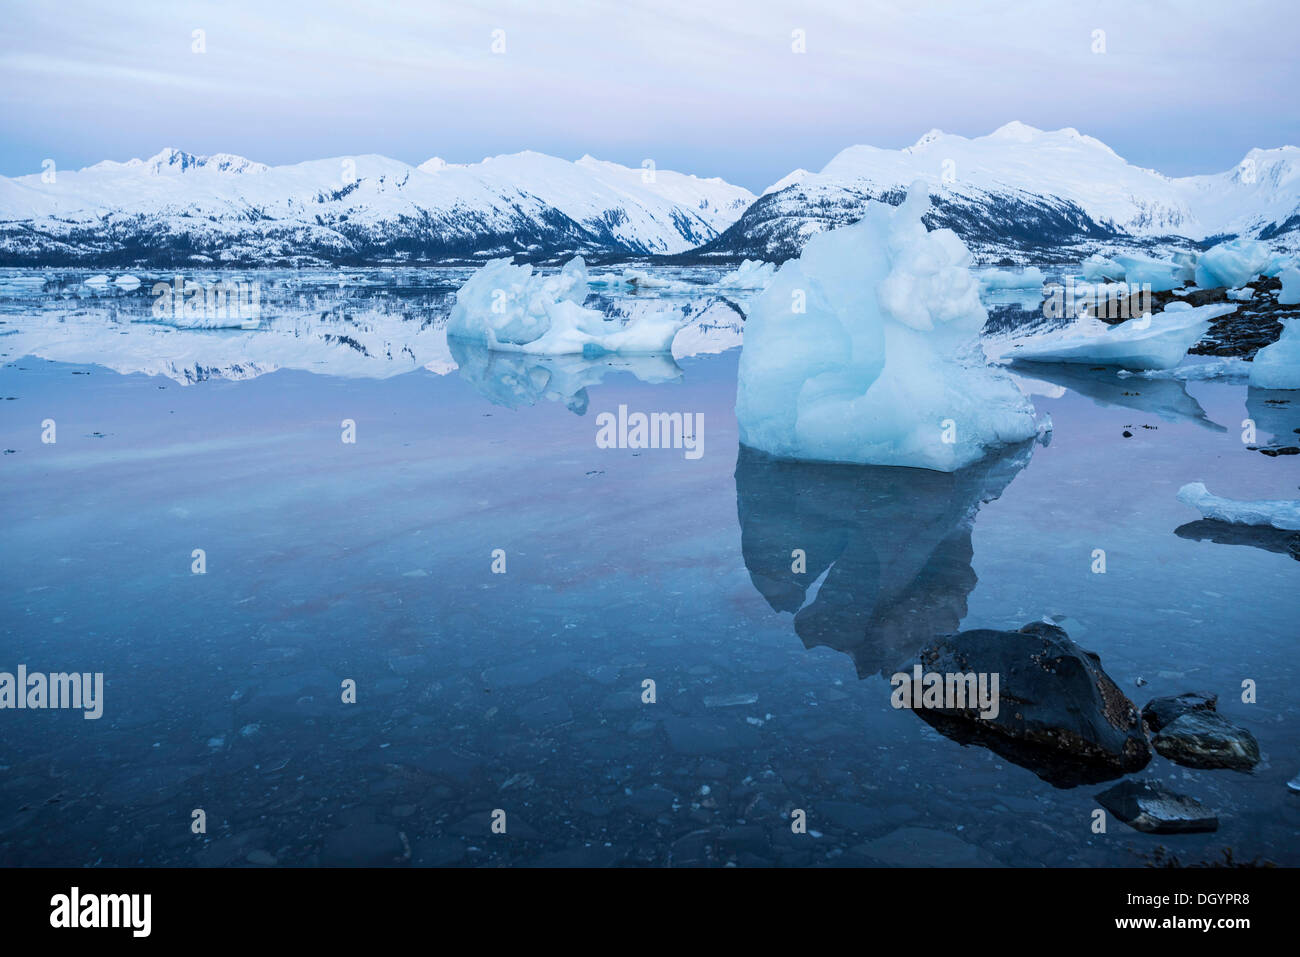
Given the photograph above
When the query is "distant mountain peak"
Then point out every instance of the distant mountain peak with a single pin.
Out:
(173, 160)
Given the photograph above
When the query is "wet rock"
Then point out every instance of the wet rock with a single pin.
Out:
(1206, 739)
(1162, 711)
(1151, 807)
(1059, 714)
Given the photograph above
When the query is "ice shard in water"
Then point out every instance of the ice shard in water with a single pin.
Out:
(508, 308)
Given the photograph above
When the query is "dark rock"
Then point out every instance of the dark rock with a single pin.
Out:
(1151, 807)
(1206, 739)
(1059, 713)
(1162, 711)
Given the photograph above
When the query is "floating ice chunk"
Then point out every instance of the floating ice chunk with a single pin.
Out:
(1244, 294)
(1290, 294)
(1162, 275)
(100, 280)
(1235, 263)
(507, 308)
(1097, 268)
(866, 349)
(1148, 342)
(607, 281)
(127, 282)
(752, 274)
(1278, 366)
(640, 279)
(1031, 278)
(1278, 513)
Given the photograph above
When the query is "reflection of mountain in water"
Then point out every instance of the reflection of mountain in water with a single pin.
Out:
(373, 325)
(1167, 398)
(515, 379)
(894, 545)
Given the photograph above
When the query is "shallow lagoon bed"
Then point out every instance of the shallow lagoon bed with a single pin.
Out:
(522, 691)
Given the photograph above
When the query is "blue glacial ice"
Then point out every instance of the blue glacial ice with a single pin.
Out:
(509, 308)
(1278, 366)
(1236, 263)
(1279, 514)
(1158, 341)
(866, 350)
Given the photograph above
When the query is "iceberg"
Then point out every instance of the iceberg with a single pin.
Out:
(1157, 341)
(1097, 268)
(1277, 366)
(1290, 294)
(508, 308)
(752, 274)
(1161, 275)
(866, 350)
(1278, 514)
(1031, 278)
(1235, 263)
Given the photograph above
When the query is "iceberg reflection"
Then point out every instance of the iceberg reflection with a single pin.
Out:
(890, 546)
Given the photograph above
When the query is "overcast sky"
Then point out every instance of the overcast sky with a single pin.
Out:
(711, 87)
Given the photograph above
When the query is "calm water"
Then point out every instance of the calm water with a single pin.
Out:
(522, 691)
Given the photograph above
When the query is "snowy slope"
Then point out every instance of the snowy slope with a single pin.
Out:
(1024, 188)
(176, 207)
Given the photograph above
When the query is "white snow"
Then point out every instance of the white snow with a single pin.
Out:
(1277, 366)
(866, 350)
(508, 308)
(1069, 166)
(1159, 341)
(1279, 513)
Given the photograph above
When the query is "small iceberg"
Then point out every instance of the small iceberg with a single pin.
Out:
(1160, 274)
(127, 282)
(1157, 341)
(1277, 366)
(1235, 263)
(1031, 278)
(509, 308)
(1290, 294)
(1277, 514)
(98, 281)
(866, 350)
(751, 274)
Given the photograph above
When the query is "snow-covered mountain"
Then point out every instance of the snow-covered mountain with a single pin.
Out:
(1018, 193)
(1022, 189)
(177, 208)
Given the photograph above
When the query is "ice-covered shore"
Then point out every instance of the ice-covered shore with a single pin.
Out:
(866, 350)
